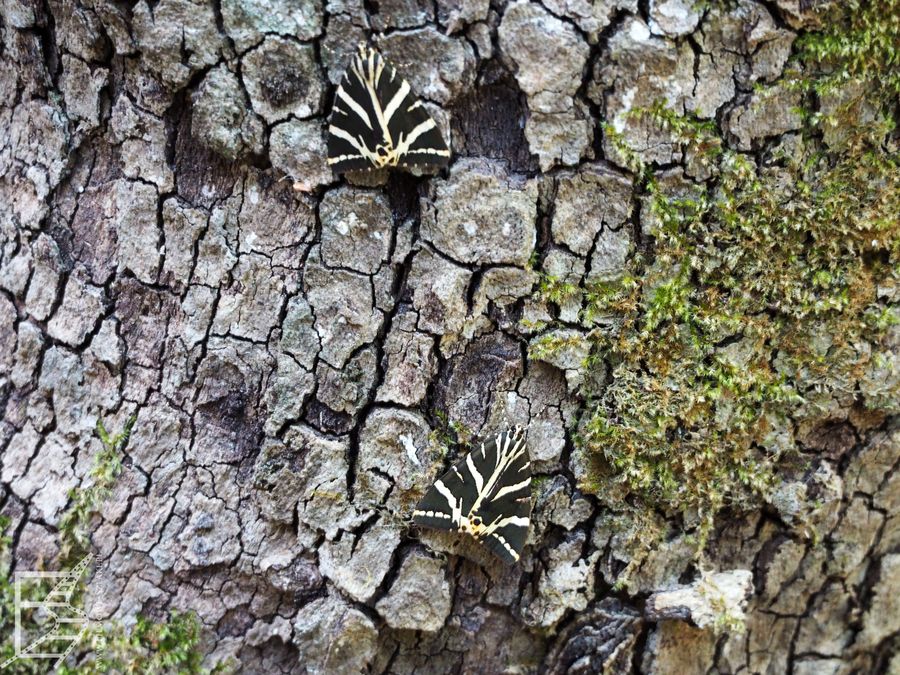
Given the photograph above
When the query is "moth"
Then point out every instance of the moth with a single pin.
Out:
(377, 122)
(486, 495)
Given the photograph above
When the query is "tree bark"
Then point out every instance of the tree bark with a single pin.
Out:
(296, 347)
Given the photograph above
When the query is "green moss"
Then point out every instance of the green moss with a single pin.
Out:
(7, 607)
(552, 289)
(168, 646)
(858, 44)
(449, 432)
(767, 295)
(546, 346)
(727, 620)
(85, 501)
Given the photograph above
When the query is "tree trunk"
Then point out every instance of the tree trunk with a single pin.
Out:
(298, 347)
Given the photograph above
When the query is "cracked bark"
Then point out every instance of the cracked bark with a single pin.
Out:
(289, 354)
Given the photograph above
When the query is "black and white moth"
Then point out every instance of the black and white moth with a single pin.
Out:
(487, 495)
(377, 122)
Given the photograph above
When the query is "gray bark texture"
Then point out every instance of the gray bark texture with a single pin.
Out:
(294, 346)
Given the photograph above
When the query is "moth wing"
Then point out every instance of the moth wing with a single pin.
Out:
(372, 101)
(428, 147)
(354, 132)
(493, 483)
(453, 493)
(506, 509)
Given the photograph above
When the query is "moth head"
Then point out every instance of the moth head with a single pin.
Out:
(473, 526)
(385, 155)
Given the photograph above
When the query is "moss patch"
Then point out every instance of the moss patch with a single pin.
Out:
(85, 502)
(768, 294)
(168, 646)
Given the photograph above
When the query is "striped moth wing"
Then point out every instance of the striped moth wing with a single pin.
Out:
(487, 495)
(377, 122)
